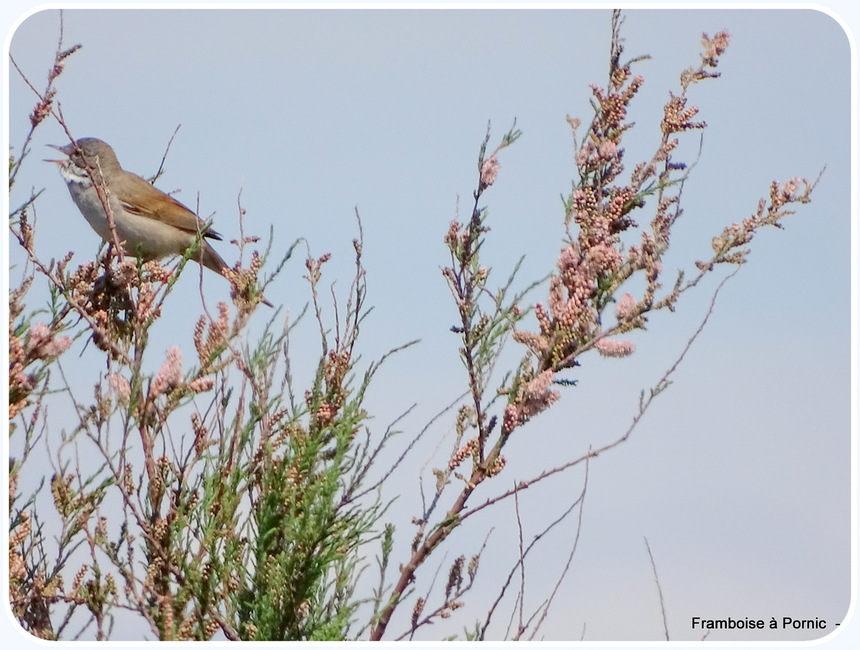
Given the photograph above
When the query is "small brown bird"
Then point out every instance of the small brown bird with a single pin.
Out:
(149, 223)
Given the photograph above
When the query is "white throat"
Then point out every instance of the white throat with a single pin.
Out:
(74, 174)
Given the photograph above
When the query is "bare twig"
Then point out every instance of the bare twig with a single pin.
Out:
(659, 589)
(160, 169)
(581, 503)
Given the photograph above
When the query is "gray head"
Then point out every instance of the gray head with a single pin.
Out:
(90, 153)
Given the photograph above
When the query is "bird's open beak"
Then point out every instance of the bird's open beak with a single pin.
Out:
(56, 162)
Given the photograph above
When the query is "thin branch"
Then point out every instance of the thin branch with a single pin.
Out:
(659, 589)
(160, 169)
(581, 502)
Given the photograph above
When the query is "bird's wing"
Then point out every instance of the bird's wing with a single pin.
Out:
(152, 203)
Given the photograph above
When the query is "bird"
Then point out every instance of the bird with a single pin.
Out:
(149, 224)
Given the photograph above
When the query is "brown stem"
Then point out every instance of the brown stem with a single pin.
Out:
(407, 574)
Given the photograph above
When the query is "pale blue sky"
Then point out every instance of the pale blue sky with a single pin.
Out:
(740, 475)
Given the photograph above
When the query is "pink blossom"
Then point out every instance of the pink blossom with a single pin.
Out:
(543, 317)
(489, 171)
(568, 259)
(715, 46)
(607, 150)
(39, 335)
(540, 384)
(56, 347)
(510, 419)
(789, 189)
(584, 155)
(119, 385)
(537, 395)
(44, 345)
(201, 384)
(170, 374)
(604, 258)
(624, 308)
(610, 348)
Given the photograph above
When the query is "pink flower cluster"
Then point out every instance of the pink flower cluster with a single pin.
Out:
(572, 289)
(40, 344)
(210, 341)
(714, 47)
(625, 307)
(595, 263)
(727, 244)
(489, 171)
(613, 105)
(169, 378)
(610, 348)
(677, 117)
(120, 387)
(591, 263)
(537, 394)
(169, 375)
(44, 345)
(532, 398)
